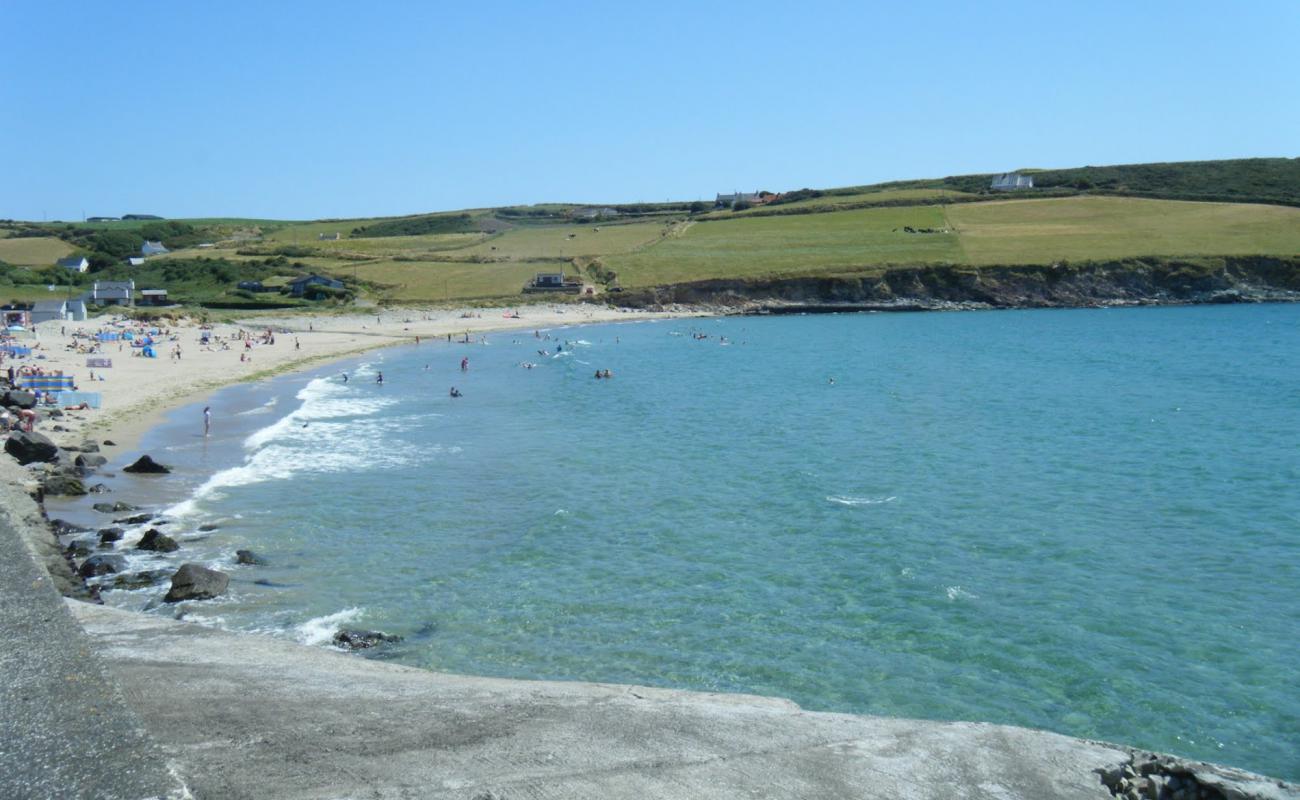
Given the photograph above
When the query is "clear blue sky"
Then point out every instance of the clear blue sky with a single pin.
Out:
(307, 110)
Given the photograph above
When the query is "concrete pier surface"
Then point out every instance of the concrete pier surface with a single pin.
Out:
(257, 717)
(65, 729)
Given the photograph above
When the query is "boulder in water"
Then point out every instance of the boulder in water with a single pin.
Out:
(136, 519)
(101, 565)
(147, 466)
(250, 558)
(157, 541)
(110, 535)
(80, 548)
(361, 640)
(90, 461)
(31, 447)
(196, 582)
(63, 484)
(98, 488)
(140, 580)
(62, 527)
(114, 508)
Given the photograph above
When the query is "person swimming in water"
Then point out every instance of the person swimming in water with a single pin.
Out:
(380, 378)
(455, 392)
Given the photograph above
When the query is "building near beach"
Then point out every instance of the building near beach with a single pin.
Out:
(74, 263)
(112, 293)
(152, 249)
(63, 310)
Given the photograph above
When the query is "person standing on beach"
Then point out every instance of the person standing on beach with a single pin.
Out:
(207, 420)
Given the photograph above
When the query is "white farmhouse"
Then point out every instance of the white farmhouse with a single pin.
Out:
(152, 249)
(74, 263)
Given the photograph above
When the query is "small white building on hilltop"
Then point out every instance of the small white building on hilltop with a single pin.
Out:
(1010, 181)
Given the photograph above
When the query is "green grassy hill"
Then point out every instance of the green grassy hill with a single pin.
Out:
(1084, 214)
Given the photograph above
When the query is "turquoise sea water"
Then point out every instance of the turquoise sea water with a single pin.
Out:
(1085, 521)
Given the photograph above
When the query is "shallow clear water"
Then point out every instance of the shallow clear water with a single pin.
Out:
(1085, 521)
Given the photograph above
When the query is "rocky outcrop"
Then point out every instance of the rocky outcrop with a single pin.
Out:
(1127, 282)
(30, 448)
(196, 582)
(145, 465)
(1153, 776)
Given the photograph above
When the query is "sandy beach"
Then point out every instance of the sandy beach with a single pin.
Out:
(135, 391)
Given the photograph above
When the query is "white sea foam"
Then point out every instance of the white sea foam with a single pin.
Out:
(847, 500)
(265, 408)
(321, 435)
(321, 630)
(958, 593)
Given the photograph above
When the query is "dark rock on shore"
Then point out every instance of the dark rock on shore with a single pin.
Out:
(90, 461)
(157, 541)
(63, 484)
(98, 488)
(101, 565)
(19, 399)
(31, 447)
(145, 465)
(89, 446)
(137, 519)
(110, 443)
(362, 640)
(140, 580)
(195, 582)
(208, 527)
(250, 558)
(110, 535)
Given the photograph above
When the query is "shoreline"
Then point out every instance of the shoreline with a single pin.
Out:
(127, 432)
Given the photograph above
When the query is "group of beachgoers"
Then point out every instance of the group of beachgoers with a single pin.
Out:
(455, 392)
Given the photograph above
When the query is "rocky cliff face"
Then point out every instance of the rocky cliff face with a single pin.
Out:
(1128, 282)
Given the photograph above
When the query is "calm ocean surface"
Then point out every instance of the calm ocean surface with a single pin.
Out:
(1085, 521)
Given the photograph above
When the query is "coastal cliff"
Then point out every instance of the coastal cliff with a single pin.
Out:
(1063, 285)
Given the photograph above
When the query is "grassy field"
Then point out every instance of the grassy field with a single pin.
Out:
(831, 202)
(764, 246)
(455, 281)
(33, 251)
(1096, 228)
(1000, 232)
(569, 241)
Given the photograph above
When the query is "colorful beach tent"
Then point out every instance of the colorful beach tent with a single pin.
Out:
(148, 352)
